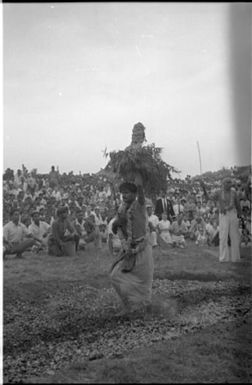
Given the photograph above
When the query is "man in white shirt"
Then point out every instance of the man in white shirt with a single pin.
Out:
(40, 230)
(177, 206)
(16, 236)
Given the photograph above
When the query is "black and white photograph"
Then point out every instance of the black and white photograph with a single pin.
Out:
(126, 192)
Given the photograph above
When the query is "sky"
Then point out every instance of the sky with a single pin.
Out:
(78, 76)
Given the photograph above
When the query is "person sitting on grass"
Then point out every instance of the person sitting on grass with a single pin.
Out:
(39, 229)
(16, 237)
(178, 231)
(62, 231)
(79, 224)
(103, 228)
(114, 242)
(92, 230)
(188, 225)
(201, 237)
(197, 224)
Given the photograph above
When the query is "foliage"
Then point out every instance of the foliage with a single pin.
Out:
(145, 160)
(8, 174)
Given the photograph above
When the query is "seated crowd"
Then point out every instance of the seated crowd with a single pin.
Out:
(46, 212)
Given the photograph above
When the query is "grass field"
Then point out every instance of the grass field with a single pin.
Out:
(60, 323)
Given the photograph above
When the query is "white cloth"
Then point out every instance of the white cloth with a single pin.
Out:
(116, 242)
(178, 208)
(39, 231)
(164, 227)
(134, 288)
(229, 224)
(153, 219)
(13, 233)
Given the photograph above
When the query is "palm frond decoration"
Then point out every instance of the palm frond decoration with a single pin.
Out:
(145, 160)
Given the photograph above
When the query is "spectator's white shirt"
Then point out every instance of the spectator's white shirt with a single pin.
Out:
(178, 208)
(98, 219)
(110, 226)
(13, 233)
(108, 192)
(115, 237)
(153, 219)
(187, 223)
(209, 229)
(83, 230)
(39, 231)
(27, 195)
(164, 225)
(56, 195)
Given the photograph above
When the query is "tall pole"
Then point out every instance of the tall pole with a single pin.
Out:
(199, 157)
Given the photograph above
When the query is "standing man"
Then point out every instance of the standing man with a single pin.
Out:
(53, 177)
(229, 211)
(164, 205)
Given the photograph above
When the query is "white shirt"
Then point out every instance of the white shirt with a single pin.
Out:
(164, 225)
(115, 237)
(153, 219)
(178, 208)
(39, 231)
(13, 233)
(83, 230)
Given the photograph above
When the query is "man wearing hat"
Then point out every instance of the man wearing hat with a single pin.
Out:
(132, 274)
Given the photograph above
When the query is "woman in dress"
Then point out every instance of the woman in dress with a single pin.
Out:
(164, 239)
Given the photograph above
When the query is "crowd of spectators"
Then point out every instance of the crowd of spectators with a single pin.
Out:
(195, 214)
(90, 202)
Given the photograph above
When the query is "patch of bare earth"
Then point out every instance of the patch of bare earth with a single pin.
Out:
(60, 321)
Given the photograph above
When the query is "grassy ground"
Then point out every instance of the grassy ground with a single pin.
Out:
(60, 324)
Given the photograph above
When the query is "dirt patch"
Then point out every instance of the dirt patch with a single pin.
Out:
(219, 354)
(58, 314)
